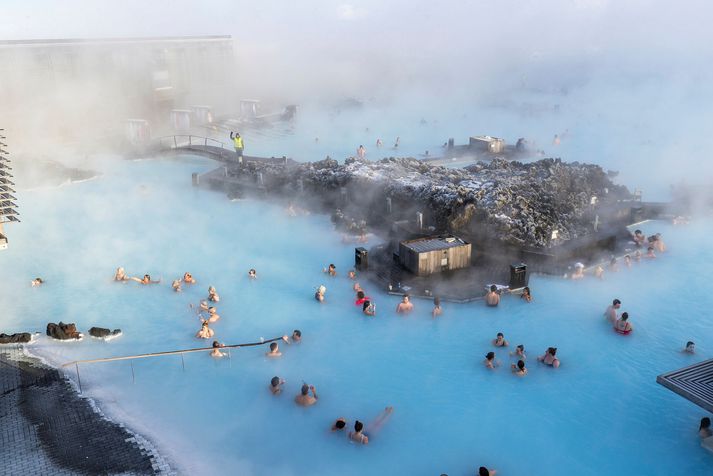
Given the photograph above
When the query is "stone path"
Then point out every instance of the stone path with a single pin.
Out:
(47, 428)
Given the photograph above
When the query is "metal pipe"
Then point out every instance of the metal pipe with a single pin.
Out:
(79, 380)
(170, 352)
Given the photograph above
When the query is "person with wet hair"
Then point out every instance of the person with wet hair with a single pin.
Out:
(276, 384)
(252, 274)
(639, 238)
(368, 308)
(331, 270)
(500, 341)
(274, 350)
(297, 336)
(526, 295)
(650, 253)
(188, 278)
(483, 471)
(213, 294)
(610, 312)
(213, 315)
(216, 349)
(657, 242)
(339, 424)
(205, 332)
(361, 297)
(437, 310)
(37, 282)
(622, 325)
(304, 398)
(690, 347)
(627, 261)
(519, 352)
(519, 368)
(490, 361)
(492, 298)
(405, 306)
(358, 435)
(550, 357)
(176, 285)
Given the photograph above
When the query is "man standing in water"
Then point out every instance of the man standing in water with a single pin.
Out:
(492, 298)
(238, 143)
(610, 313)
(304, 398)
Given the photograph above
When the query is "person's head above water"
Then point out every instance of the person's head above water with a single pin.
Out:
(275, 381)
(521, 348)
(340, 424)
(405, 298)
(690, 345)
(490, 355)
(273, 346)
(552, 351)
(705, 423)
(624, 316)
(296, 333)
(305, 389)
(437, 301)
(360, 294)
(493, 288)
(358, 426)
(520, 364)
(616, 303)
(216, 344)
(499, 334)
(483, 471)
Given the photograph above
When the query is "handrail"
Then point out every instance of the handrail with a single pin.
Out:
(191, 137)
(168, 352)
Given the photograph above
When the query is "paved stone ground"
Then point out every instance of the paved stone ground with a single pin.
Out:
(46, 428)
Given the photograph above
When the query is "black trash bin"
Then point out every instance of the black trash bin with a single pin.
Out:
(361, 259)
(518, 276)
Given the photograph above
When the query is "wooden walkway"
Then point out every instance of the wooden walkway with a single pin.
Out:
(694, 383)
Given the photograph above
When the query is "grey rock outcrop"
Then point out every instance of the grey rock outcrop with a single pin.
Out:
(519, 204)
(103, 333)
(18, 338)
(63, 331)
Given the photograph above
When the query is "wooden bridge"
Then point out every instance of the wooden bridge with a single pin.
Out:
(208, 148)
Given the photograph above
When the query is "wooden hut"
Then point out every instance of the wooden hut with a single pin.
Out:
(425, 256)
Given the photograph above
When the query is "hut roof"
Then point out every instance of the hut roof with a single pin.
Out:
(423, 245)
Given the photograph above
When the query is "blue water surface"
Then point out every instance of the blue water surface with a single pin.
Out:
(601, 412)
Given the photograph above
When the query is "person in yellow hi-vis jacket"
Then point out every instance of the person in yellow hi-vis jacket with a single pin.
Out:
(238, 143)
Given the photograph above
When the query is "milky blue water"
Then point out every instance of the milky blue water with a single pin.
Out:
(600, 412)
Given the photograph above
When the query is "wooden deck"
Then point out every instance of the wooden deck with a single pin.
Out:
(694, 383)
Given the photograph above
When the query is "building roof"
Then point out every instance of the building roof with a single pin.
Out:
(694, 383)
(90, 41)
(424, 245)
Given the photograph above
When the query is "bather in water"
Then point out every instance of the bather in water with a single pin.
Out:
(176, 285)
(490, 361)
(120, 275)
(274, 350)
(252, 274)
(519, 352)
(368, 308)
(500, 341)
(304, 398)
(549, 357)
(361, 435)
(205, 332)
(519, 368)
(405, 306)
(690, 347)
(319, 294)
(610, 312)
(216, 350)
(37, 282)
(492, 298)
(145, 280)
(213, 294)
(622, 325)
(526, 296)
(276, 384)
(437, 310)
(188, 278)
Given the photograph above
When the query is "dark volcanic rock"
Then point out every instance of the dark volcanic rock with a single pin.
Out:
(63, 331)
(511, 202)
(101, 332)
(21, 337)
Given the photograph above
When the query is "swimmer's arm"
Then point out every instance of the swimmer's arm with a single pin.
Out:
(134, 278)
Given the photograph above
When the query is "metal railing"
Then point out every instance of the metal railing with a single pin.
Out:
(131, 358)
(192, 140)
